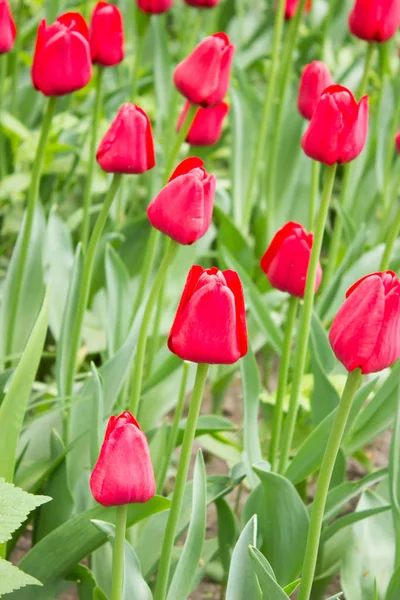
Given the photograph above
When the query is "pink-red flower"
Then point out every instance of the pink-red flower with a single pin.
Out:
(123, 473)
(106, 35)
(8, 30)
(315, 78)
(375, 20)
(291, 8)
(62, 63)
(203, 77)
(287, 258)
(366, 331)
(397, 142)
(338, 129)
(154, 7)
(210, 323)
(207, 125)
(127, 147)
(183, 209)
(203, 3)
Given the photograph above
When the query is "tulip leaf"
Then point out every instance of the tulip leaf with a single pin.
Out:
(185, 571)
(271, 590)
(351, 518)
(119, 300)
(242, 580)
(227, 533)
(393, 591)
(251, 397)
(86, 584)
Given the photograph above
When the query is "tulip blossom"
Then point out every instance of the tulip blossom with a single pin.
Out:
(127, 147)
(338, 129)
(203, 77)
(207, 125)
(106, 35)
(287, 258)
(365, 333)
(397, 142)
(123, 472)
(8, 30)
(62, 63)
(183, 209)
(210, 323)
(315, 78)
(375, 20)
(154, 7)
(202, 3)
(291, 8)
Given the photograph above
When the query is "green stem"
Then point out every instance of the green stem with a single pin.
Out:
(175, 428)
(87, 195)
(138, 365)
(388, 213)
(367, 68)
(156, 330)
(3, 73)
(282, 381)
(140, 45)
(266, 112)
(14, 60)
(173, 517)
(315, 174)
(180, 138)
(305, 322)
(325, 475)
(118, 563)
(28, 221)
(390, 241)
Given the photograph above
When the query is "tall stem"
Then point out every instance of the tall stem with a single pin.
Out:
(315, 174)
(28, 222)
(173, 517)
(282, 381)
(180, 138)
(305, 322)
(367, 68)
(156, 330)
(3, 73)
(390, 241)
(138, 365)
(325, 475)
(87, 194)
(118, 563)
(266, 112)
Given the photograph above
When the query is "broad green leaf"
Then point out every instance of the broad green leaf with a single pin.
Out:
(242, 580)
(227, 532)
(271, 590)
(291, 587)
(393, 591)
(13, 407)
(238, 117)
(350, 519)
(206, 424)
(229, 236)
(86, 584)
(97, 418)
(12, 578)
(185, 571)
(15, 506)
(394, 468)
(119, 300)
(251, 398)
(321, 346)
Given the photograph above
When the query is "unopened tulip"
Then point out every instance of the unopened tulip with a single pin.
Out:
(207, 125)
(210, 323)
(315, 78)
(8, 30)
(397, 142)
(291, 8)
(106, 35)
(375, 20)
(62, 62)
(338, 129)
(202, 3)
(366, 331)
(123, 473)
(183, 209)
(203, 77)
(287, 258)
(154, 7)
(127, 147)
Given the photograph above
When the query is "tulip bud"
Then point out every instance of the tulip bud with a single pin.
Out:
(123, 473)
(62, 62)
(202, 3)
(338, 129)
(315, 78)
(375, 20)
(154, 7)
(286, 260)
(203, 77)
(127, 147)
(106, 35)
(183, 209)
(291, 8)
(210, 323)
(8, 30)
(207, 125)
(366, 331)
(397, 142)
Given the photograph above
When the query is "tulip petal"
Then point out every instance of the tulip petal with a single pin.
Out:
(235, 285)
(197, 77)
(357, 136)
(387, 347)
(187, 165)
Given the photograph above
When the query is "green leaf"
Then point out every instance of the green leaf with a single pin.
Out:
(13, 408)
(251, 398)
(271, 590)
(242, 580)
(227, 532)
(189, 561)
(394, 469)
(119, 300)
(12, 578)
(393, 591)
(206, 424)
(161, 64)
(350, 519)
(97, 418)
(238, 118)
(289, 589)
(15, 506)
(229, 236)
(86, 584)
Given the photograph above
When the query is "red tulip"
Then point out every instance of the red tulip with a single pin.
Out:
(106, 35)
(183, 209)
(202, 3)
(62, 63)
(338, 128)
(366, 331)
(287, 258)
(154, 7)
(397, 142)
(8, 30)
(207, 125)
(127, 147)
(123, 472)
(210, 323)
(315, 78)
(375, 20)
(203, 77)
(291, 8)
